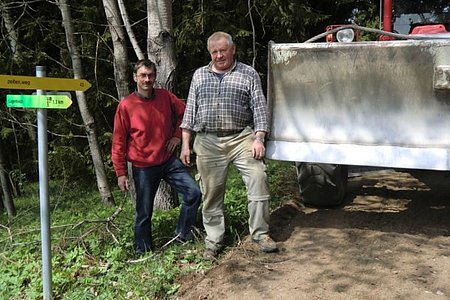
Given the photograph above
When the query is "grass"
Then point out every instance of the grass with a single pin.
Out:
(92, 244)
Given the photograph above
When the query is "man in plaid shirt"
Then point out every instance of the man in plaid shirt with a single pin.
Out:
(227, 110)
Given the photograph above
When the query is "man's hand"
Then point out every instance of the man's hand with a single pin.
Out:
(122, 182)
(258, 150)
(185, 156)
(172, 144)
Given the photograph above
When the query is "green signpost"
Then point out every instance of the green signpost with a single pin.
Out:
(38, 101)
(42, 103)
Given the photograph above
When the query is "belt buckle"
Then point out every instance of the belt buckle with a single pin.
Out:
(222, 133)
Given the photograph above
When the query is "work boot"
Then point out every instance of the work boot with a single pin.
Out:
(266, 244)
(210, 254)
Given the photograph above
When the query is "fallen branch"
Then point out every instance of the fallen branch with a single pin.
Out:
(108, 221)
(9, 231)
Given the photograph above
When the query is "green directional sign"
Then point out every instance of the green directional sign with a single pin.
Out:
(38, 101)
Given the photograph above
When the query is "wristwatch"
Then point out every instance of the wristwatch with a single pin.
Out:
(259, 139)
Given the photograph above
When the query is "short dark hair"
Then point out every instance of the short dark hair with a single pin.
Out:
(144, 63)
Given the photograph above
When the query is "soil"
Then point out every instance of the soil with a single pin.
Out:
(390, 240)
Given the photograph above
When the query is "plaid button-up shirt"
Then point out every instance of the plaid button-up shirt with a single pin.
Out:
(227, 103)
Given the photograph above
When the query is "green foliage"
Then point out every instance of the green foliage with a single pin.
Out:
(92, 251)
(367, 16)
(90, 255)
(65, 163)
(5, 132)
(41, 41)
(279, 21)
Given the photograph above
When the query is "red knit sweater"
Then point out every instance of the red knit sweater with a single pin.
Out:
(142, 128)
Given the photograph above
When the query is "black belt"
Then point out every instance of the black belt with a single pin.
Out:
(223, 133)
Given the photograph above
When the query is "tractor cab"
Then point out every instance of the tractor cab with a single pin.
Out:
(420, 17)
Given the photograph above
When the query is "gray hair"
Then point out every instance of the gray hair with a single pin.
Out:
(219, 35)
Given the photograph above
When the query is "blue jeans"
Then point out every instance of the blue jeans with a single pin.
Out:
(146, 182)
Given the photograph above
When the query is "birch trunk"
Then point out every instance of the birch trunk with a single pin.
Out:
(12, 38)
(11, 33)
(160, 41)
(160, 48)
(6, 192)
(129, 29)
(115, 12)
(88, 120)
(121, 70)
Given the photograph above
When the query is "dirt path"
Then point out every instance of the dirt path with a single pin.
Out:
(390, 241)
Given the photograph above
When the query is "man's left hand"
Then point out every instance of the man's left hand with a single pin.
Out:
(258, 150)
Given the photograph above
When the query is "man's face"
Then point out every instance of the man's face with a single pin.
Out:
(222, 54)
(145, 79)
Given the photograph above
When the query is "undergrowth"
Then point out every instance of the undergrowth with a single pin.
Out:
(92, 244)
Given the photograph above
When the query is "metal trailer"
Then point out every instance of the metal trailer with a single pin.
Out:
(383, 104)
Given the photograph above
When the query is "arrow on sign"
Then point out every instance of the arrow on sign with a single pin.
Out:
(14, 82)
(38, 101)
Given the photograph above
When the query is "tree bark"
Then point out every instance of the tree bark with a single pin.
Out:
(32, 135)
(114, 12)
(2, 207)
(6, 193)
(88, 120)
(12, 38)
(118, 36)
(129, 29)
(160, 41)
(11, 33)
(161, 50)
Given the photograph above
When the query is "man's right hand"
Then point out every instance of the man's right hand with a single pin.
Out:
(122, 181)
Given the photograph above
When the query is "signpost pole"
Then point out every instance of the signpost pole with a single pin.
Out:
(43, 194)
(43, 102)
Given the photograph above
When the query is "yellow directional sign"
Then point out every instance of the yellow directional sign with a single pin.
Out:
(14, 82)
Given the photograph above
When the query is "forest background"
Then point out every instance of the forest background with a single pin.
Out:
(100, 48)
(99, 41)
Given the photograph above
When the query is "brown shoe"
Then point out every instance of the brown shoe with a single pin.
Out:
(266, 244)
(210, 254)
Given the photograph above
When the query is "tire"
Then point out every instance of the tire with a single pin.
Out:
(322, 184)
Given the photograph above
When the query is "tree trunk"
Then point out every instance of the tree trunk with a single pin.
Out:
(102, 181)
(11, 33)
(32, 135)
(160, 41)
(114, 12)
(12, 37)
(129, 29)
(2, 207)
(121, 69)
(160, 47)
(6, 193)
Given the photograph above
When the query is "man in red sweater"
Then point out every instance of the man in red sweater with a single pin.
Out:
(146, 133)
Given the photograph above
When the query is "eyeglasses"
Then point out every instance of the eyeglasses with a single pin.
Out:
(145, 76)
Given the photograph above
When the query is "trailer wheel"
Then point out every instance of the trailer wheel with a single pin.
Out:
(322, 184)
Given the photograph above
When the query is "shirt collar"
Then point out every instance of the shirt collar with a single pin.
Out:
(232, 68)
(144, 97)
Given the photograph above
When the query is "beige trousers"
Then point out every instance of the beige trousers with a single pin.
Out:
(214, 156)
